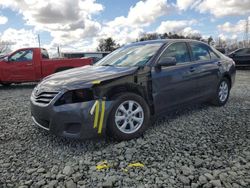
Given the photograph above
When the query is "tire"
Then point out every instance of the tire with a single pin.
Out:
(222, 92)
(124, 124)
(63, 69)
(6, 84)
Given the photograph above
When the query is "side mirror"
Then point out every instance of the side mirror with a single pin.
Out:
(6, 59)
(232, 55)
(167, 61)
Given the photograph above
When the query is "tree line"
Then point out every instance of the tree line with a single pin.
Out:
(109, 44)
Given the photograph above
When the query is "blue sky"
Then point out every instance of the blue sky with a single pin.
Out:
(77, 25)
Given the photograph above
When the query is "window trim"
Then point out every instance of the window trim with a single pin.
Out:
(168, 45)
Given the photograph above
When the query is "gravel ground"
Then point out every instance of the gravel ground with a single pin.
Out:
(201, 146)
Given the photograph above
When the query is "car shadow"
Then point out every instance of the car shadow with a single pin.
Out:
(18, 86)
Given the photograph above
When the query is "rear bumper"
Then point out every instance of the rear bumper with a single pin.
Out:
(71, 120)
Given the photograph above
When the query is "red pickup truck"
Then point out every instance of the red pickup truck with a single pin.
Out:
(33, 64)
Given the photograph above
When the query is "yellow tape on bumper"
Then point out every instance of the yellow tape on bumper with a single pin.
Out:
(96, 114)
(102, 118)
(96, 82)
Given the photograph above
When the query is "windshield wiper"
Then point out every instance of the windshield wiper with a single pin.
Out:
(107, 65)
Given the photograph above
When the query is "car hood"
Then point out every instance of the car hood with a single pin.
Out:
(84, 77)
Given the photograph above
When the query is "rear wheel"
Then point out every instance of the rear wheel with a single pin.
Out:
(129, 117)
(63, 69)
(222, 93)
(6, 84)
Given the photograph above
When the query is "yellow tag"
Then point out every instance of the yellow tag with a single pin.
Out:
(102, 165)
(136, 165)
(125, 170)
(96, 82)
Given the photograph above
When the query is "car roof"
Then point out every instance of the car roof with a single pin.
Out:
(164, 41)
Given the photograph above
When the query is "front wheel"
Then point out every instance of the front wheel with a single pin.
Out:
(129, 117)
(222, 93)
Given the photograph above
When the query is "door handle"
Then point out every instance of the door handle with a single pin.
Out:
(192, 69)
(29, 64)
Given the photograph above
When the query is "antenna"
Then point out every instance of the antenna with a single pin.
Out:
(39, 42)
(246, 39)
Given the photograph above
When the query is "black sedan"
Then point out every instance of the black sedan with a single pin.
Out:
(241, 57)
(119, 94)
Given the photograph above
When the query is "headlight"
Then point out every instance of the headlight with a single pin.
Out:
(75, 96)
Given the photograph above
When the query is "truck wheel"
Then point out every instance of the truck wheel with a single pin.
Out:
(129, 117)
(222, 93)
(6, 84)
(63, 69)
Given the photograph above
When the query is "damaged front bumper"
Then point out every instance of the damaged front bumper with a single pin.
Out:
(77, 120)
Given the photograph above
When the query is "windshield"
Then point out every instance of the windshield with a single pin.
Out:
(131, 55)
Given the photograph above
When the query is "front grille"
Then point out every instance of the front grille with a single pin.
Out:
(45, 97)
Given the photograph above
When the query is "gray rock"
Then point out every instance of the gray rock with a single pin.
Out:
(216, 183)
(68, 170)
(41, 170)
(107, 184)
(184, 180)
(216, 173)
(40, 183)
(29, 182)
(223, 177)
(32, 170)
(207, 185)
(70, 184)
(173, 182)
(60, 177)
(186, 170)
(198, 162)
(194, 185)
(209, 176)
(54, 169)
(235, 185)
(202, 179)
(52, 183)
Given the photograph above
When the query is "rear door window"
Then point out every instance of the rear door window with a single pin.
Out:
(200, 52)
(45, 54)
(179, 51)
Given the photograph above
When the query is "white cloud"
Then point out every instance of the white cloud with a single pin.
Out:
(188, 31)
(20, 38)
(142, 14)
(184, 4)
(225, 7)
(146, 12)
(70, 22)
(128, 28)
(218, 8)
(67, 21)
(3, 20)
(236, 28)
(176, 26)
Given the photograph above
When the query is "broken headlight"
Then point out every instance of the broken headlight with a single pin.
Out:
(75, 96)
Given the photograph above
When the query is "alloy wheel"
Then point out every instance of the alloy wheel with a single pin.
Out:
(223, 91)
(129, 116)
